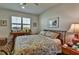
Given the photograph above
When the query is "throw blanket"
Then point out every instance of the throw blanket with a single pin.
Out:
(36, 45)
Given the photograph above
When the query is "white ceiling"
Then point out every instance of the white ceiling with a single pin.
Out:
(30, 7)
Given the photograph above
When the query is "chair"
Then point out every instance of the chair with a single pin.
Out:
(6, 45)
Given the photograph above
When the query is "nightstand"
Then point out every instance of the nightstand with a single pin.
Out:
(69, 51)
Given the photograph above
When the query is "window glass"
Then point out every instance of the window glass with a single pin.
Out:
(18, 23)
(26, 26)
(16, 26)
(16, 19)
(26, 20)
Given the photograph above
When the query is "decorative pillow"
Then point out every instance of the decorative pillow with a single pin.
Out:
(52, 35)
(42, 33)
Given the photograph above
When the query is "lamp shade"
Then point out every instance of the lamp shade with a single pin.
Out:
(74, 28)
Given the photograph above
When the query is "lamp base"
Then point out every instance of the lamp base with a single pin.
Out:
(76, 36)
(76, 39)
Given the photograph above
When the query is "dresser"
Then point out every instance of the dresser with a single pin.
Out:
(69, 51)
(15, 34)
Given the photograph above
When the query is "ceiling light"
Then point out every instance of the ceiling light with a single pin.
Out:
(22, 7)
(21, 3)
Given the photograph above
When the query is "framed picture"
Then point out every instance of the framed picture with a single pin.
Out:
(3, 22)
(34, 24)
(53, 22)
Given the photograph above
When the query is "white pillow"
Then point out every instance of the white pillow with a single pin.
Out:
(52, 35)
(42, 33)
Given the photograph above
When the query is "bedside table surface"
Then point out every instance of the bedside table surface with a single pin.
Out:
(69, 51)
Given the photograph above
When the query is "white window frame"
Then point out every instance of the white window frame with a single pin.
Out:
(21, 22)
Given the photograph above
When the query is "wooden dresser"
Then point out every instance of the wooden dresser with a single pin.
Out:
(69, 51)
(15, 34)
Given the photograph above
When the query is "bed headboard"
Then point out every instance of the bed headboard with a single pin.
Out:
(61, 34)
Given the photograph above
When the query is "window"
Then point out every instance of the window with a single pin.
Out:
(26, 23)
(18, 23)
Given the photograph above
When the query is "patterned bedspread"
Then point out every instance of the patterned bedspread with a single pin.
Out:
(36, 45)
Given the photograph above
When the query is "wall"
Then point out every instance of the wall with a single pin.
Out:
(6, 14)
(68, 14)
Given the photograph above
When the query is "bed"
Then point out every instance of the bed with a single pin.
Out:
(37, 45)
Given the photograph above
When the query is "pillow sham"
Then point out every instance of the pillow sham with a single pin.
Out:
(42, 33)
(52, 35)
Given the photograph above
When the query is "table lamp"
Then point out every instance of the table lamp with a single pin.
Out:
(74, 28)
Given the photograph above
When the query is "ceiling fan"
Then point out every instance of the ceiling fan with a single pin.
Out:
(23, 5)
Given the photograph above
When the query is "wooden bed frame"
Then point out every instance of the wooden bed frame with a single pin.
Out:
(61, 36)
